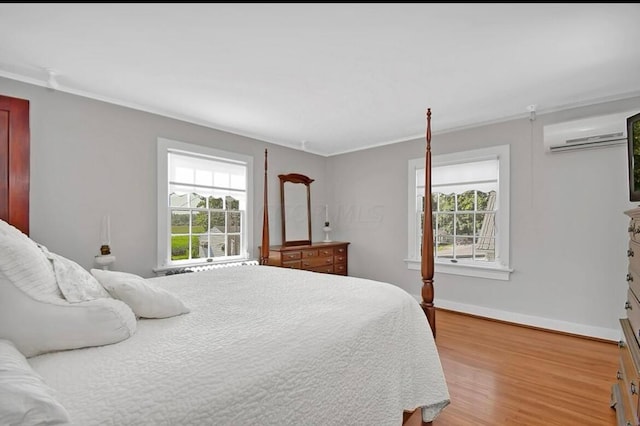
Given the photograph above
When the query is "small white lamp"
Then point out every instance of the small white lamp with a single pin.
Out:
(105, 258)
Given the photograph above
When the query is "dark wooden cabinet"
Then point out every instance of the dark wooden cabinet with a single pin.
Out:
(330, 258)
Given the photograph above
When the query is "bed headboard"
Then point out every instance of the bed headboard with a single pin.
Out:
(14, 162)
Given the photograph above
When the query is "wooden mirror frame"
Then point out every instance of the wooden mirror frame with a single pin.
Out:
(295, 178)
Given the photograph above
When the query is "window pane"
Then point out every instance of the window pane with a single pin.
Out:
(487, 200)
(464, 247)
(447, 202)
(197, 200)
(466, 200)
(179, 222)
(178, 200)
(444, 223)
(179, 247)
(201, 247)
(199, 222)
(217, 222)
(485, 242)
(233, 225)
(233, 245)
(444, 246)
(464, 224)
(215, 203)
(217, 245)
(485, 249)
(232, 203)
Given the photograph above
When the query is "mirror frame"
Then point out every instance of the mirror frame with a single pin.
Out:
(295, 178)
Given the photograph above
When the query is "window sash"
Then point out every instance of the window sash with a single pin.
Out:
(493, 265)
(191, 192)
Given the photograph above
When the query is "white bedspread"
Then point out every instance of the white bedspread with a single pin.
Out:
(261, 346)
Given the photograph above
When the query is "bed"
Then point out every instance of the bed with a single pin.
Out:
(245, 345)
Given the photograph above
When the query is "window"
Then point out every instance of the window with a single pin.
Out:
(470, 208)
(204, 205)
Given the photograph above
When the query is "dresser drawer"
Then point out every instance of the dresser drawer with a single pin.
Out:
(341, 250)
(621, 405)
(309, 253)
(340, 269)
(633, 279)
(633, 254)
(634, 229)
(628, 381)
(312, 262)
(291, 255)
(633, 313)
(342, 259)
(326, 269)
(295, 264)
(629, 372)
(329, 252)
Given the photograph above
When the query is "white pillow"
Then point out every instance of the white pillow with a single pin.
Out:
(25, 399)
(36, 327)
(75, 282)
(24, 265)
(145, 299)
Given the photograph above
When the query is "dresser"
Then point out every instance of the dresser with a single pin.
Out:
(624, 392)
(331, 258)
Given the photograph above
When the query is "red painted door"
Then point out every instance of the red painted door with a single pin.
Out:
(14, 162)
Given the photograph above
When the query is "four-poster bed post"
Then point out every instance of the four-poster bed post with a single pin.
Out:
(264, 249)
(427, 238)
(427, 263)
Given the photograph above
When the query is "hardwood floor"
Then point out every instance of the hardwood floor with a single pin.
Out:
(503, 374)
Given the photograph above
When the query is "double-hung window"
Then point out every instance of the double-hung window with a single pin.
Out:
(204, 205)
(470, 210)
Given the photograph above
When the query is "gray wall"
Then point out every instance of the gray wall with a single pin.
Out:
(90, 158)
(568, 231)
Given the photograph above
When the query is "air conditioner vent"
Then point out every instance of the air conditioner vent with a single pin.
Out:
(593, 132)
(598, 138)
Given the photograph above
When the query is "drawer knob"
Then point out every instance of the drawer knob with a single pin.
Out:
(627, 305)
(630, 253)
(618, 375)
(632, 388)
(620, 343)
(629, 277)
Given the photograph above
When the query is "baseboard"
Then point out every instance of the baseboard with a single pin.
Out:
(602, 333)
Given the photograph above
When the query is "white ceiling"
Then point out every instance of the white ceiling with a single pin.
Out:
(329, 78)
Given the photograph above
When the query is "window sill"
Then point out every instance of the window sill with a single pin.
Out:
(161, 270)
(492, 271)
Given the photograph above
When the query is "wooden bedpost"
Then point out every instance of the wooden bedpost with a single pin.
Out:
(427, 238)
(264, 249)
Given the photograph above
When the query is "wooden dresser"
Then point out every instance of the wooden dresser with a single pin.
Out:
(624, 393)
(329, 258)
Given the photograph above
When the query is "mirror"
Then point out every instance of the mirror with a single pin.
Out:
(295, 205)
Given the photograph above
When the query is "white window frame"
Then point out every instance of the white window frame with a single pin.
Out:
(164, 262)
(500, 268)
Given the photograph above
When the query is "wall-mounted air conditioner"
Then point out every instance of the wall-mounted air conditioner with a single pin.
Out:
(586, 133)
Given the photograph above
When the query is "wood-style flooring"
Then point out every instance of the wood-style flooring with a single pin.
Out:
(504, 374)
